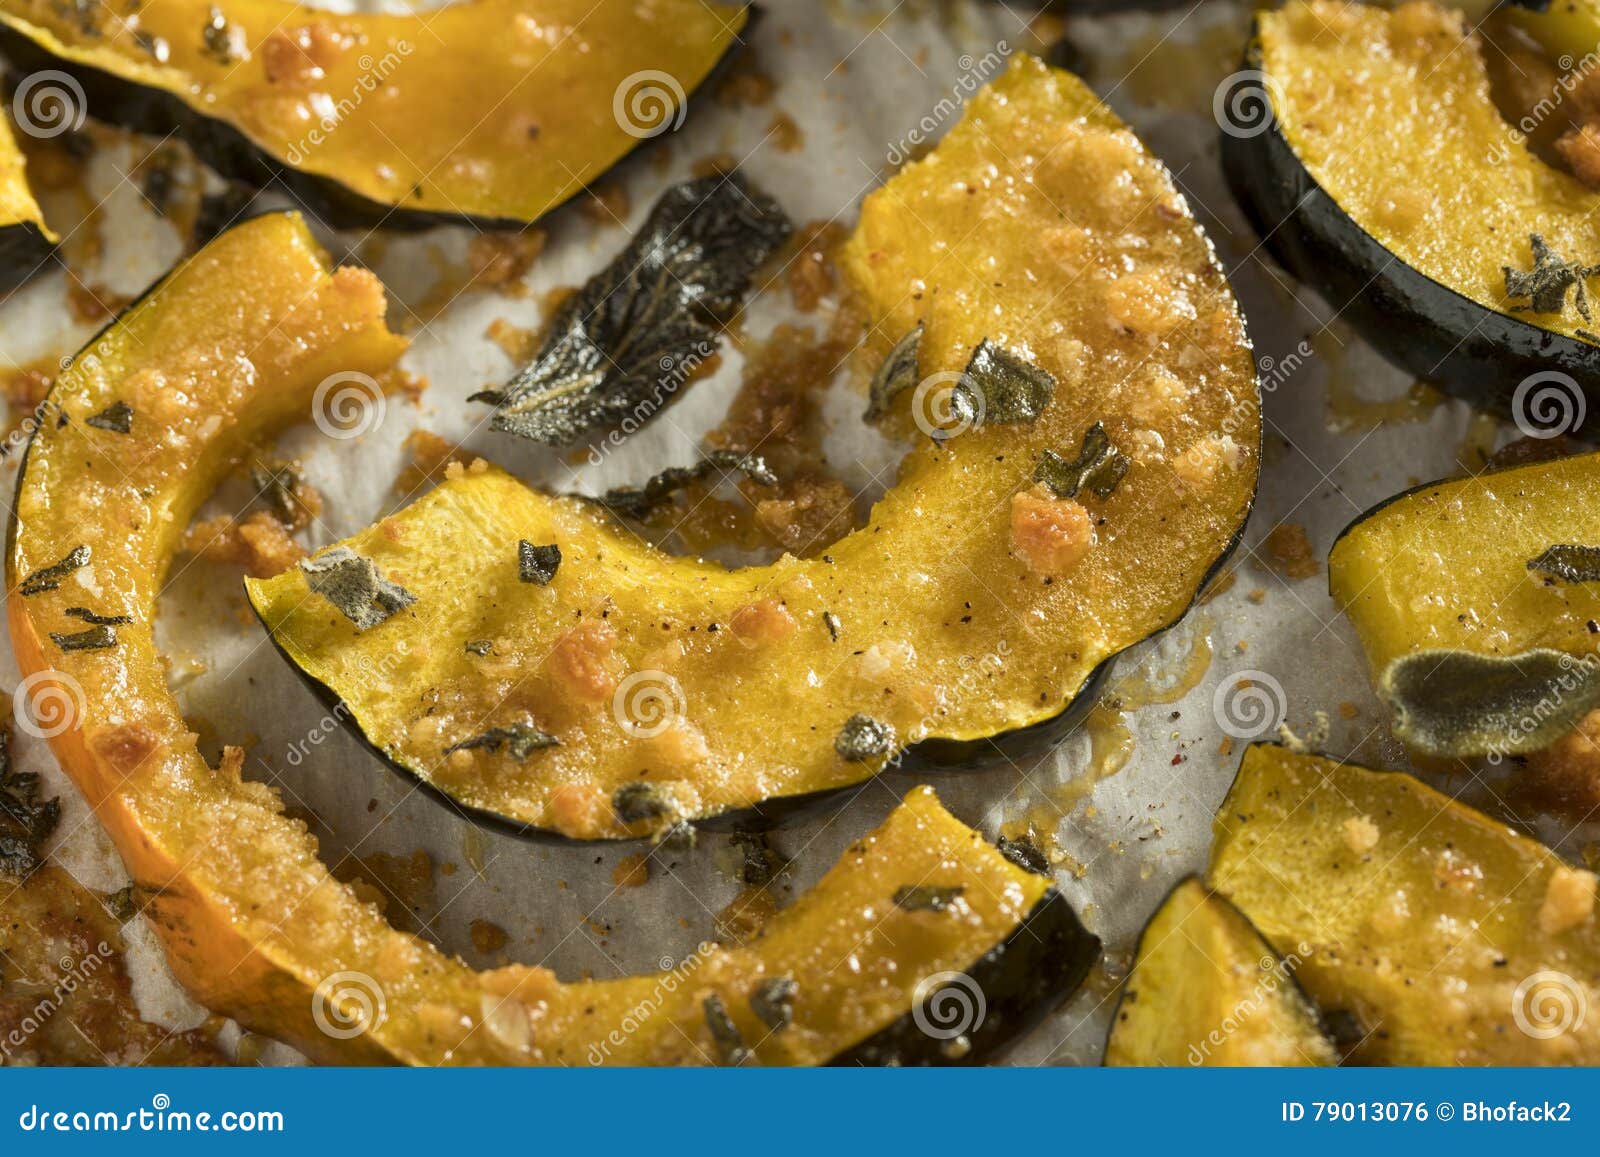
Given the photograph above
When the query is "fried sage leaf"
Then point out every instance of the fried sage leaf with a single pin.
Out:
(639, 501)
(1568, 562)
(730, 1044)
(1098, 468)
(282, 488)
(26, 821)
(863, 737)
(1546, 284)
(99, 638)
(93, 619)
(537, 564)
(773, 1001)
(1009, 388)
(117, 417)
(1457, 703)
(50, 577)
(636, 802)
(1025, 854)
(927, 897)
(519, 739)
(895, 376)
(353, 585)
(620, 348)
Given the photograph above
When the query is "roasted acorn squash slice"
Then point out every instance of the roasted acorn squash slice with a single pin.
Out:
(1387, 180)
(976, 602)
(494, 110)
(1481, 640)
(1207, 990)
(230, 347)
(1441, 936)
(25, 240)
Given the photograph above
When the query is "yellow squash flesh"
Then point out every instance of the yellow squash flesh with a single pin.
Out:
(1442, 573)
(225, 351)
(1448, 936)
(498, 109)
(1207, 990)
(1040, 223)
(17, 204)
(1391, 113)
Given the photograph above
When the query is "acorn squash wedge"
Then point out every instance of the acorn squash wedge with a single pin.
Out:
(1070, 309)
(227, 349)
(1439, 935)
(26, 242)
(1207, 990)
(1476, 601)
(1386, 179)
(495, 111)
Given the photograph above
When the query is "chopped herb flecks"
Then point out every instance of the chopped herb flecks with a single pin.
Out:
(50, 577)
(1546, 284)
(862, 738)
(1569, 563)
(537, 564)
(1024, 853)
(761, 864)
(831, 621)
(519, 739)
(94, 639)
(635, 802)
(639, 501)
(897, 374)
(26, 822)
(621, 348)
(1098, 468)
(725, 1034)
(117, 417)
(773, 1001)
(353, 585)
(927, 897)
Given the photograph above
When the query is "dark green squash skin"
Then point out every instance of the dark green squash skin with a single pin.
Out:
(1478, 354)
(227, 150)
(24, 253)
(1042, 961)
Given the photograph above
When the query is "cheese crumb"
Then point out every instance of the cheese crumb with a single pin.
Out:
(1360, 834)
(1568, 900)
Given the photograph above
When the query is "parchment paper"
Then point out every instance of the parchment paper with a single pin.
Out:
(858, 78)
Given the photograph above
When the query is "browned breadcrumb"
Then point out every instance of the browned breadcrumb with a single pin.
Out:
(1360, 834)
(759, 623)
(1348, 710)
(1568, 900)
(786, 135)
(810, 269)
(632, 871)
(498, 260)
(1287, 552)
(487, 936)
(298, 56)
(581, 662)
(1050, 535)
(1527, 451)
(1580, 148)
(431, 455)
(517, 343)
(605, 204)
(746, 85)
(1564, 778)
(259, 543)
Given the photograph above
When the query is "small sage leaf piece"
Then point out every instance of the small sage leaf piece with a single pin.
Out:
(537, 564)
(281, 487)
(927, 897)
(480, 647)
(1568, 562)
(97, 638)
(639, 501)
(353, 585)
(862, 738)
(1098, 468)
(761, 862)
(1025, 854)
(897, 374)
(773, 1001)
(621, 347)
(117, 417)
(26, 821)
(1546, 284)
(1000, 386)
(637, 802)
(50, 577)
(831, 621)
(724, 1033)
(88, 616)
(519, 739)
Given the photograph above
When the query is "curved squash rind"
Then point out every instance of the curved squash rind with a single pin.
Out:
(1426, 327)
